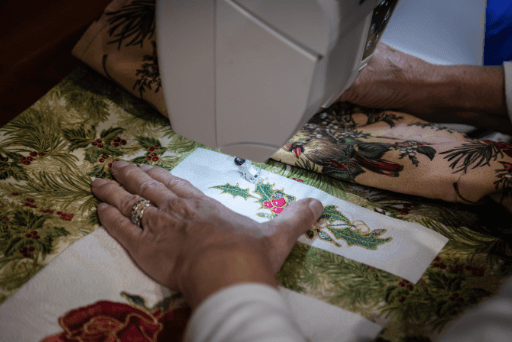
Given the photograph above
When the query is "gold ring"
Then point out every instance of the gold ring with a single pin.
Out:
(138, 211)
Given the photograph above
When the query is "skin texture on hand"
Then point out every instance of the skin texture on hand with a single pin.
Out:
(190, 242)
(467, 94)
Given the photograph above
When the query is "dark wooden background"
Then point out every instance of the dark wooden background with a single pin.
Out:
(36, 39)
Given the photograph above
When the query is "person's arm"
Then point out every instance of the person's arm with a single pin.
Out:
(395, 80)
(244, 313)
(474, 95)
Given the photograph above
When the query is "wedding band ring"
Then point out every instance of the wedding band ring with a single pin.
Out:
(138, 211)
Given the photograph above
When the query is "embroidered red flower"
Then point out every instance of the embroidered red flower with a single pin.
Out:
(109, 321)
(276, 205)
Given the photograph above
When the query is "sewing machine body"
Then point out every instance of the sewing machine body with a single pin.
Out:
(243, 76)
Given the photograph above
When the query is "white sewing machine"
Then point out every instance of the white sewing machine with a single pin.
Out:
(243, 76)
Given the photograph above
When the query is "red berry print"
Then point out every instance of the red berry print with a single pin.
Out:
(109, 164)
(409, 287)
(156, 146)
(123, 142)
(115, 144)
(277, 210)
(279, 202)
(31, 248)
(33, 154)
(148, 158)
(30, 200)
(40, 154)
(100, 145)
(99, 140)
(15, 194)
(151, 149)
(28, 235)
(94, 143)
(155, 159)
(22, 158)
(37, 237)
(101, 160)
(26, 162)
(28, 205)
(59, 212)
(30, 158)
(117, 139)
(267, 204)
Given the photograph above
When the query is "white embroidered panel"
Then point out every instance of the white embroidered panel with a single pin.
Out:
(399, 247)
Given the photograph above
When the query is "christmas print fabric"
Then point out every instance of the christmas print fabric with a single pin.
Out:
(50, 154)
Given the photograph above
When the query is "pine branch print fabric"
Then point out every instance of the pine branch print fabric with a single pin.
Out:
(398, 247)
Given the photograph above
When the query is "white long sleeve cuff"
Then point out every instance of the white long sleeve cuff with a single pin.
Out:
(244, 313)
(507, 68)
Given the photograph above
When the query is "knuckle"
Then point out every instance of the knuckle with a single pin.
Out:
(148, 185)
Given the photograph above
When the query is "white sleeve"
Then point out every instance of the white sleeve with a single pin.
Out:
(507, 69)
(491, 321)
(244, 313)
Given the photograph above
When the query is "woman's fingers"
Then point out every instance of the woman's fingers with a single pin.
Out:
(179, 186)
(138, 182)
(113, 194)
(285, 229)
(119, 227)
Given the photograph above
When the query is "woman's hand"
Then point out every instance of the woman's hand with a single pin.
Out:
(190, 242)
(467, 94)
(392, 80)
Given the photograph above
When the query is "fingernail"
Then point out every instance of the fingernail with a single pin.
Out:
(119, 163)
(98, 182)
(102, 206)
(317, 207)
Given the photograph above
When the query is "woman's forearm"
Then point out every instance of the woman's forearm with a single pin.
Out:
(471, 94)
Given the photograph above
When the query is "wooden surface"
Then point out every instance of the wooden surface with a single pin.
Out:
(36, 39)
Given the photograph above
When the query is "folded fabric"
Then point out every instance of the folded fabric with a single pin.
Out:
(398, 152)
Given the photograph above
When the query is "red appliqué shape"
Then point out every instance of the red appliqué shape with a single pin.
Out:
(276, 205)
(109, 321)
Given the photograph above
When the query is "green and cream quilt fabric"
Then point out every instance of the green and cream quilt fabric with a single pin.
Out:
(50, 154)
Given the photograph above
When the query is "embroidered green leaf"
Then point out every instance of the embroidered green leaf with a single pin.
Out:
(234, 190)
(332, 214)
(324, 236)
(354, 238)
(265, 191)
